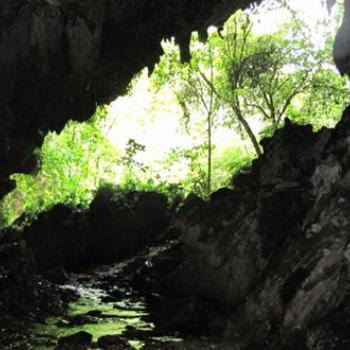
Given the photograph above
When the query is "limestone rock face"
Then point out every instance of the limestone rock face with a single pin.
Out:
(59, 58)
(235, 235)
(276, 248)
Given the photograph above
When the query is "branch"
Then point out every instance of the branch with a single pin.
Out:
(209, 83)
(262, 110)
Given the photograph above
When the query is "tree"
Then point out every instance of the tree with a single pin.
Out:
(129, 162)
(264, 74)
(247, 75)
(192, 86)
(328, 95)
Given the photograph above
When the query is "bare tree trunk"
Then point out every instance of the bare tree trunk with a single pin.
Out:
(250, 132)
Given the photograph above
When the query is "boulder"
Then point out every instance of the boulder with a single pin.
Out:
(78, 341)
(61, 236)
(124, 222)
(117, 225)
(113, 342)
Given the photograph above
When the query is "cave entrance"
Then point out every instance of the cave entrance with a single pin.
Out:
(111, 188)
(188, 128)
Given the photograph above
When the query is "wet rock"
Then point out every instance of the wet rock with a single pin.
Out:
(110, 299)
(77, 341)
(191, 344)
(24, 296)
(191, 315)
(94, 313)
(57, 275)
(113, 342)
(146, 272)
(77, 320)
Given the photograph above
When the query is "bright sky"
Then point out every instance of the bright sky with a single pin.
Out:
(310, 11)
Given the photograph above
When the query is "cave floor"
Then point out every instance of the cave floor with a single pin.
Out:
(109, 304)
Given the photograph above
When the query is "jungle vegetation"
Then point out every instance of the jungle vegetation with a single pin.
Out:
(189, 127)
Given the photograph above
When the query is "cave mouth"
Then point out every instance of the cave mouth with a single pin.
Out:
(120, 248)
(160, 136)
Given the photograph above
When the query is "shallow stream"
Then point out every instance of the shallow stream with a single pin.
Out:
(107, 305)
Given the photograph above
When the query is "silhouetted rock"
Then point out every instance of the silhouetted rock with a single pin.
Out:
(125, 222)
(58, 275)
(117, 225)
(60, 237)
(17, 285)
(77, 341)
(113, 342)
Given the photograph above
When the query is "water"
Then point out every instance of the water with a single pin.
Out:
(107, 306)
(114, 319)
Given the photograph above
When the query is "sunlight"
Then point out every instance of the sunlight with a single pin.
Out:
(207, 207)
(160, 130)
(152, 119)
(310, 11)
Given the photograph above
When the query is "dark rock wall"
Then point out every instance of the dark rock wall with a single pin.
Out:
(237, 234)
(59, 58)
(16, 275)
(277, 247)
(341, 48)
(117, 225)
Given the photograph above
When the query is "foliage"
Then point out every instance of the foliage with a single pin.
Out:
(128, 160)
(267, 76)
(194, 158)
(71, 167)
(229, 163)
(191, 84)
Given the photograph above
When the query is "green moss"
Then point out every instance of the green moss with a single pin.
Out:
(108, 323)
